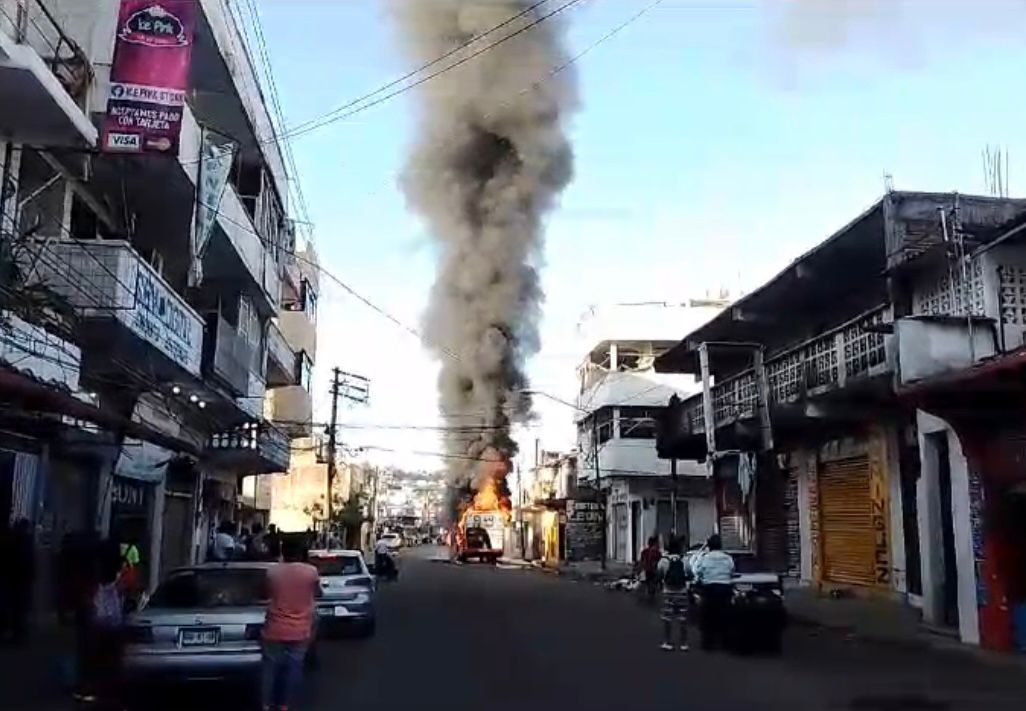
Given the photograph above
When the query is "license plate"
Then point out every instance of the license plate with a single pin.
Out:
(341, 611)
(199, 637)
(743, 587)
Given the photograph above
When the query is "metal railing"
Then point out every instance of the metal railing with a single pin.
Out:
(827, 361)
(35, 25)
(231, 356)
(279, 350)
(263, 439)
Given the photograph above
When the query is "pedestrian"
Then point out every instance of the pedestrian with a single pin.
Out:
(648, 561)
(103, 643)
(257, 548)
(224, 545)
(288, 627)
(674, 576)
(714, 574)
(19, 557)
(273, 543)
(129, 582)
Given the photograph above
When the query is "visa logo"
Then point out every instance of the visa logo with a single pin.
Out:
(124, 141)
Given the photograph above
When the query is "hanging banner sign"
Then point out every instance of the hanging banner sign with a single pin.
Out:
(215, 168)
(149, 76)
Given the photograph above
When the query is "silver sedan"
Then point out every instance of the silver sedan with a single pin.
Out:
(202, 623)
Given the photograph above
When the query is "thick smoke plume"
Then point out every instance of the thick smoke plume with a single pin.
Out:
(490, 159)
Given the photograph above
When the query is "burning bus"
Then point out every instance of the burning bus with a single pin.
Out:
(481, 531)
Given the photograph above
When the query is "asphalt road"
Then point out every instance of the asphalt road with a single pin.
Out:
(481, 638)
(476, 637)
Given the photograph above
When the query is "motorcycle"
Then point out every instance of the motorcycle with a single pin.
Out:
(385, 567)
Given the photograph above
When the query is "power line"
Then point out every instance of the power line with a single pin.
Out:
(422, 68)
(334, 117)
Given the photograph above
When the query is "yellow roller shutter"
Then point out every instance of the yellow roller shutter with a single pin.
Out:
(846, 516)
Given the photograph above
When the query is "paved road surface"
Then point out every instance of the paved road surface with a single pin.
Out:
(475, 638)
(478, 638)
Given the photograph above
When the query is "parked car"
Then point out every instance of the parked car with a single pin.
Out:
(393, 540)
(347, 592)
(202, 623)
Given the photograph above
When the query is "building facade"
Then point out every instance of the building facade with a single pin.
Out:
(144, 310)
(620, 399)
(822, 469)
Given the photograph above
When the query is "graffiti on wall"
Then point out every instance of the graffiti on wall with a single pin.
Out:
(812, 477)
(976, 503)
(880, 502)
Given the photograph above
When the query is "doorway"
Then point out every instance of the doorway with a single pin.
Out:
(636, 534)
(949, 581)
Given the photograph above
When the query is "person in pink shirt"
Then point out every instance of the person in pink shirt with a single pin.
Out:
(288, 627)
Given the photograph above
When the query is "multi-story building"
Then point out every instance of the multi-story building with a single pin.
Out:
(822, 467)
(148, 309)
(619, 399)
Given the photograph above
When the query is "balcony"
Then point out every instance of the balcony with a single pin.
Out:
(129, 308)
(852, 353)
(281, 359)
(44, 78)
(30, 349)
(229, 358)
(254, 448)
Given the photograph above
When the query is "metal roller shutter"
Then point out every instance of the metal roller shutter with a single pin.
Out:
(846, 516)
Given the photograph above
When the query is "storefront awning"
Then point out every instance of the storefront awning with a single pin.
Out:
(30, 395)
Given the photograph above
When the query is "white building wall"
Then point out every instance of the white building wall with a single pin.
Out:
(930, 537)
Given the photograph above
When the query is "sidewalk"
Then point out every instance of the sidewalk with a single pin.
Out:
(882, 622)
(31, 676)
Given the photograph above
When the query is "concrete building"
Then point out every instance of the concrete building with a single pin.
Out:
(619, 399)
(822, 470)
(135, 381)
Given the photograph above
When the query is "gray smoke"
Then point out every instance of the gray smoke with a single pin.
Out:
(490, 159)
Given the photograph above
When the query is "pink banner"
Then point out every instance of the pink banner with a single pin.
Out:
(149, 76)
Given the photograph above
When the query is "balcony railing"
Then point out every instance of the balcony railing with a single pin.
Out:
(108, 279)
(229, 356)
(281, 360)
(33, 24)
(259, 447)
(848, 352)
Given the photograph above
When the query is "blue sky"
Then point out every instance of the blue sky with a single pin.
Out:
(716, 142)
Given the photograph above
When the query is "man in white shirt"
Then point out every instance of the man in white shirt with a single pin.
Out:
(714, 574)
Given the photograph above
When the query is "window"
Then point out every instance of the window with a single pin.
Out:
(338, 565)
(604, 424)
(212, 588)
(309, 300)
(304, 371)
(638, 422)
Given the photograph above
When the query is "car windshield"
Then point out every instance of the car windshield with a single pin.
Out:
(212, 588)
(338, 565)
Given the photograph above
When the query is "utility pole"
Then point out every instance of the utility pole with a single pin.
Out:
(352, 388)
(336, 388)
(598, 486)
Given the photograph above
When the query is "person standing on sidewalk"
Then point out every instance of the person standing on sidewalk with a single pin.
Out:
(648, 561)
(288, 628)
(674, 576)
(714, 573)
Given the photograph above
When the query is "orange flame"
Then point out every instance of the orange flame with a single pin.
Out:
(491, 472)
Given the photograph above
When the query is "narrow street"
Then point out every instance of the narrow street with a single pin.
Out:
(474, 637)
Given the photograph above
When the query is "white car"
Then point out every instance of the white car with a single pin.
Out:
(347, 592)
(393, 540)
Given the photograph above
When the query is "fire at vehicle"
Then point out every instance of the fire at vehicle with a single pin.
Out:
(481, 531)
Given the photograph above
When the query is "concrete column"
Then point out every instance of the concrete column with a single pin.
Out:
(156, 533)
(899, 575)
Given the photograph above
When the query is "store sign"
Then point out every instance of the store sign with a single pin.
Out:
(142, 461)
(128, 495)
(149, 76)
(162, 318)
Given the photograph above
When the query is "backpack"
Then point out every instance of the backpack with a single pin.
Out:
(676, 577)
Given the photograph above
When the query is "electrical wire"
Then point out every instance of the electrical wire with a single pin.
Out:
(339, 115)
